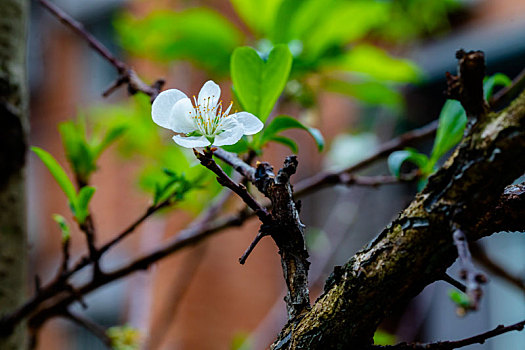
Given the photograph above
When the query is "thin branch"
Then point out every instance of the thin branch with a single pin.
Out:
(88, 228)
(89, 325)
(454, 282)
(449, 345)
(472, 277)
(262, 233)
(131, 228)
(239, 165)
(480, 256)
(65, 256)
(326, 179)
(206, 159)
(505, 95)
(126, 74)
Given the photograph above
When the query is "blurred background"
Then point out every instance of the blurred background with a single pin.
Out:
(363, 72)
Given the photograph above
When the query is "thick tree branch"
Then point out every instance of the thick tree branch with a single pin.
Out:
(417, 247)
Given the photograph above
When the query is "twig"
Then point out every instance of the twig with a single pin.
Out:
(472, 277)
(126, 74)
(480, 256)
(88, 227)
(239, 165)
(449, 345)
(206, 159)
(325, 179)
(131, 228)
(89, 325)
(262, 233)
(454, 282)
(65, 256)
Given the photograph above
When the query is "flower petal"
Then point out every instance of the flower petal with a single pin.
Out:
(181, 116)
(209, 90)
(191, 141)
(162, 105)
(232, 133)
(250, 123)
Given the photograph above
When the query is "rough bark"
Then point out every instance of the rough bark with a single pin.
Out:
(13, 123)
(417, 247)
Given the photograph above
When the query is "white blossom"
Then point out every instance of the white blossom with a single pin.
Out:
(204, 122)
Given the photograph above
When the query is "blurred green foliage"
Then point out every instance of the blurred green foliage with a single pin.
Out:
(197, 34)
(326, 38)
(299, 47)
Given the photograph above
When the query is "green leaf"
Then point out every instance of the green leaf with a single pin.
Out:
(284, 122)
(258, 84)
(489, 83)
(59, 174)
(396, 160)
(452, 122)
(64, 227)
(84, 197)
(286, 141)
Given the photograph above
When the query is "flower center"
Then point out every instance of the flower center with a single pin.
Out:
(208, 116)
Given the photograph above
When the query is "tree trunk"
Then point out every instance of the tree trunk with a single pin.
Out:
(13, 147)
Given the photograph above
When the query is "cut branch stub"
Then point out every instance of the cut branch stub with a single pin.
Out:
(287, 231)
(467, 86)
